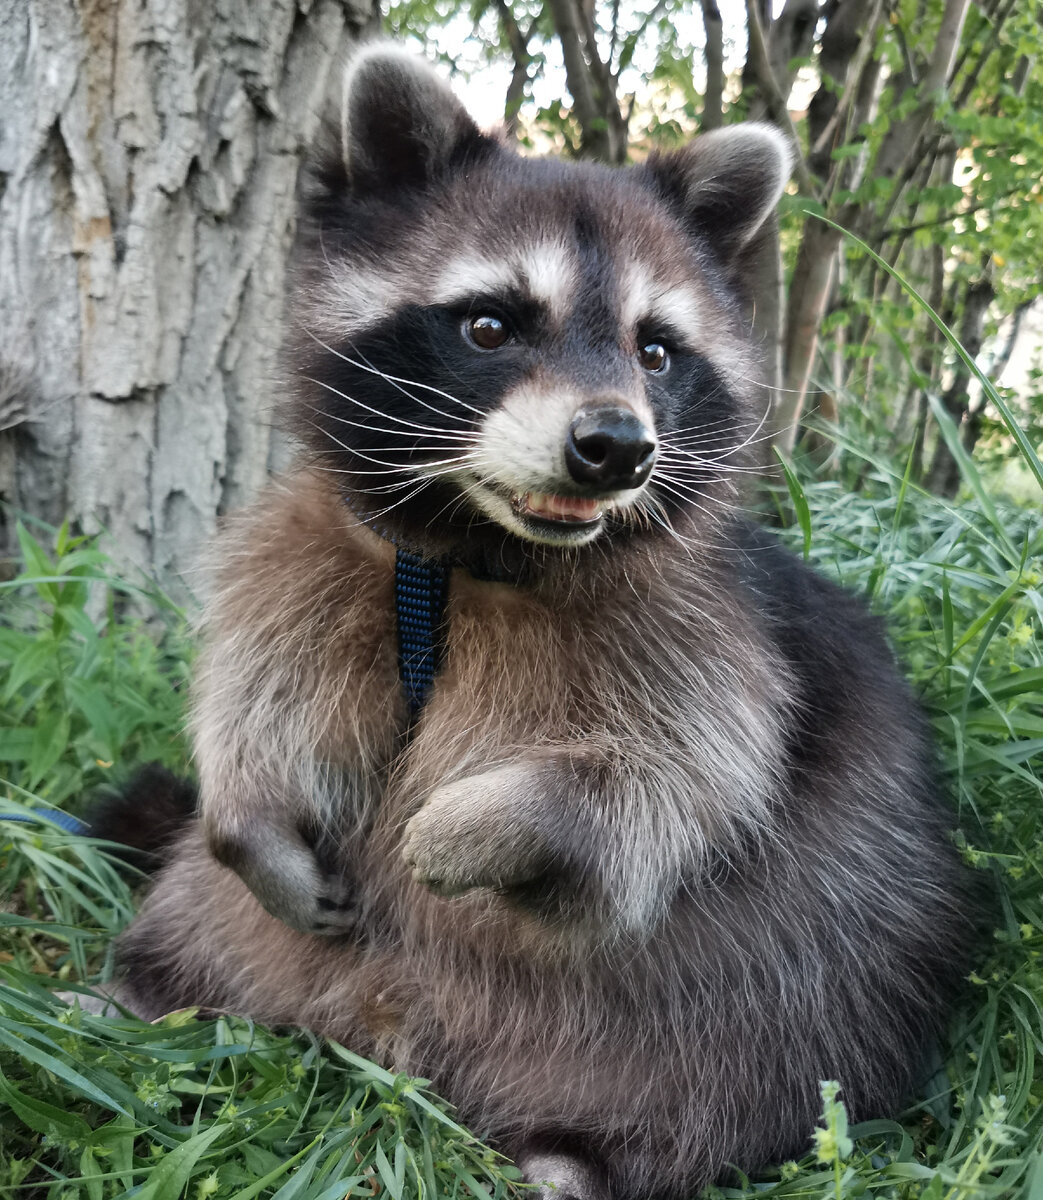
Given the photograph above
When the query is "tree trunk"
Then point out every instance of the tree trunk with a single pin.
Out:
(149, 156)
(808, 297)
(712, 116)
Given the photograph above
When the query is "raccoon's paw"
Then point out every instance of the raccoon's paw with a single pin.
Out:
(285, 875)
(477, 832)
(562, 1176)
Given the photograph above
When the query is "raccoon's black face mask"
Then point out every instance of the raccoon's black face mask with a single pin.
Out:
(503, 352)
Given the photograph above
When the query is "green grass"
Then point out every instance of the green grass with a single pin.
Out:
(98, 1107)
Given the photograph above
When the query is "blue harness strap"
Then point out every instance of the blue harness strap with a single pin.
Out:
(421, 592)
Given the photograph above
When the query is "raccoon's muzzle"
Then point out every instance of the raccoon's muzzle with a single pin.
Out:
(610, 448)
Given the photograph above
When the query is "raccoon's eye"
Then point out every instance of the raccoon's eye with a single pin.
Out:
(487, 332)
(653, 356)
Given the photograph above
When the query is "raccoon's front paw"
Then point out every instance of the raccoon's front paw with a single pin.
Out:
(562, 1176)
(284, 873)
(478, 832)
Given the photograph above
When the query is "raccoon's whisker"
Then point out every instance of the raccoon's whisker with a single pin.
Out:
(686, 495)
(699, 473)
(398, 380)
(402, 500)
(700, 501)
(402, 433)
(726, 450)
(428, 387)
(690, 488)
(694, 462)
(450, 435)
(414, 470)
(694, 437)
(715, 443)
(417, 449)
(409, 477)
(377, 413)
(660, 518)
(750, 377)
(425, 478)
(455, 502)
(390, 467)
(655, 510)
(680, 437)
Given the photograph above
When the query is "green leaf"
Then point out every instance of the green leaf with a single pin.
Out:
(279, 1170)
(89, 1174)
(63, 1071)
(37, 565)
(168, 1178)
(50, 740)
(800, 501)
(36, 660)
(15, 745)
(42, 1117)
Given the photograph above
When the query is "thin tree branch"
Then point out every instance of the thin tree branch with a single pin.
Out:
(519, 44)
(590, 82)
(776, 102)
(902, 137)
(992, 43)
(1002, 360)
(851, 85)
(614, 37)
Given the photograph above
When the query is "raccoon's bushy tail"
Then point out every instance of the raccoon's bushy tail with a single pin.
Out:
(145, 816)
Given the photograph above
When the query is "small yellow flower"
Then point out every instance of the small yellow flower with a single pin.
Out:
(208, 1186)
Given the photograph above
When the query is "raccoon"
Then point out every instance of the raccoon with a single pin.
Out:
(662, 847)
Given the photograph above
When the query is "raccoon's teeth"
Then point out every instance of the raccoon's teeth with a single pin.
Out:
(557, 508)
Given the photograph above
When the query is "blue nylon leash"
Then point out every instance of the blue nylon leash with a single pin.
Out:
(421, 593)
(63, 820)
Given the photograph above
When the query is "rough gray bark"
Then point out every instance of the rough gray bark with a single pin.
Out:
(149, 153)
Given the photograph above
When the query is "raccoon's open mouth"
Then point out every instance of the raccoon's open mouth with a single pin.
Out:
(546, 517)
(557, 510)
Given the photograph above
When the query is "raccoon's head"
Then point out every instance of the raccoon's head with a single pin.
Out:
(500, 356)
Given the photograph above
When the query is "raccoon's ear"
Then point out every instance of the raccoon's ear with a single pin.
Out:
(401, 125)
(725, 184)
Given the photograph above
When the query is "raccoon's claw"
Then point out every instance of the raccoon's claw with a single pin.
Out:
(286, 877)
(338, 909)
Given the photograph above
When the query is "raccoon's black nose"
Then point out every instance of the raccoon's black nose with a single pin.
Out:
(610, 448)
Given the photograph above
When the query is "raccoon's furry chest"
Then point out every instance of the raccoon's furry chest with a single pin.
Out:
(665, 674)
